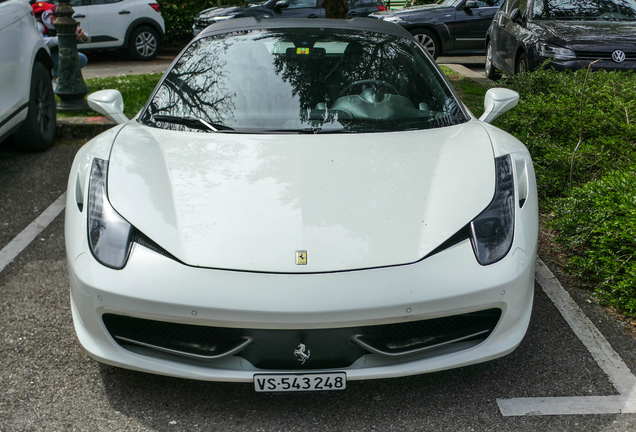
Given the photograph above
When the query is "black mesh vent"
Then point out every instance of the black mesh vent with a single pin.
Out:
(410, 336)
(456, 238)
(145, 241)
(327, 348)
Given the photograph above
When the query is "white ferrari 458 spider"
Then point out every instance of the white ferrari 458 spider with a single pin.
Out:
(301, 203)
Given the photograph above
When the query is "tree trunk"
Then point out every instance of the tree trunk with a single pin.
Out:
(336, 8)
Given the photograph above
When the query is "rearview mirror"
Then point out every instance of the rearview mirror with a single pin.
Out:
(497, 102)
(471, 4)
(282, 4)
(110, 103)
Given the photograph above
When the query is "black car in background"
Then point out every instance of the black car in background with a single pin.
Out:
(570, 34)
(281, 9)
(448, 27)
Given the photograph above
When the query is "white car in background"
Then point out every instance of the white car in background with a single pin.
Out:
(27, 102)
(135, 25)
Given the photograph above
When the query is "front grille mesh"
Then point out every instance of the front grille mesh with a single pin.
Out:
(330, 348)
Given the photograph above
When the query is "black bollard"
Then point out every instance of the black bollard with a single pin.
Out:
(70, 83)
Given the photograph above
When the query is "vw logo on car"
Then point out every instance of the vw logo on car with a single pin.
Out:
(618, 56)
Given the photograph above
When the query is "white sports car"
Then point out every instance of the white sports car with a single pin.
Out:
(301, 203)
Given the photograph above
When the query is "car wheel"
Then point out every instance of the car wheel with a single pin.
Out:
(144, 43)
(428, 40)
(491, 72)
(37, 132)
(522, 64)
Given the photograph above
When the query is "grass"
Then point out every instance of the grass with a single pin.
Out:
(135, 89)
(469, 91)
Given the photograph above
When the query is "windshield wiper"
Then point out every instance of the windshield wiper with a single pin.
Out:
(192, 123)
(306, 131)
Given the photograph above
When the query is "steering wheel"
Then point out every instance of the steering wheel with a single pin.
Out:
(374, 82)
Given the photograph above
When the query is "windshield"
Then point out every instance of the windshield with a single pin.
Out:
(614, 10)
(303, 80)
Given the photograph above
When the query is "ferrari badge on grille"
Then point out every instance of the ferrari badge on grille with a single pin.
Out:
(300, 353)
(301, 257)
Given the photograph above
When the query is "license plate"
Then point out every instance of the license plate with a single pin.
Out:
(300, 382)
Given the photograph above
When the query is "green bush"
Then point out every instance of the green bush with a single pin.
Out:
(548, 121)
(179, 17)
(594, 216)
(597, 225)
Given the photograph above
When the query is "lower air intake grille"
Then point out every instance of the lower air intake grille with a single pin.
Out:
(327, 348)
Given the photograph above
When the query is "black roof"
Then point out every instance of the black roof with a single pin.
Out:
(251, 23)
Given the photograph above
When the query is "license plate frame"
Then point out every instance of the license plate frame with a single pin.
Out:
(299, 382)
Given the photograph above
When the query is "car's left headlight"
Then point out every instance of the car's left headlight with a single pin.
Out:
(492, 231)
(556, 52)
(109, 234)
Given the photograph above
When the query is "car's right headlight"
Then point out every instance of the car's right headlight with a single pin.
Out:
(556, 52)
(109, 234)
(393, 19)
(221, 18)
(492, 231)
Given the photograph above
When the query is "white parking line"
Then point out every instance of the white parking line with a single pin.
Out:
(608, 360)
(22, 240)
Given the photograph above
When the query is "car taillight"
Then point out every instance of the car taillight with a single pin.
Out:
(381, 8)
(155, 6)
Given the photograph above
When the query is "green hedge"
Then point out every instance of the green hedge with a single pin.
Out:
(548, 121)
(596, 224)
(595, 217)
(179, 17)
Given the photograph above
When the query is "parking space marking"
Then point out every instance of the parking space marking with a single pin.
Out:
(22, 240)
(608, 360)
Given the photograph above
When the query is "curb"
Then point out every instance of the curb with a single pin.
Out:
(463, 70)
(82, 127)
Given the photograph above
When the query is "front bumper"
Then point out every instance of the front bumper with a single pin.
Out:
(154, 287)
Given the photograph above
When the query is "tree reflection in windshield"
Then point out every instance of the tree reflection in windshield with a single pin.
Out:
(195, 87)
(300, 80)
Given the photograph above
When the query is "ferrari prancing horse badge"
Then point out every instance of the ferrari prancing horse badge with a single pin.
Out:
(301, 257)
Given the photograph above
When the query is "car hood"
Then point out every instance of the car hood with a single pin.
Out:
(579, 35)
(352, 201)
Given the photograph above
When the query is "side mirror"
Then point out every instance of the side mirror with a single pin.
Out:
(497, 102)
(515, 15)
(282, 4)
(110, 103)
(471, 4)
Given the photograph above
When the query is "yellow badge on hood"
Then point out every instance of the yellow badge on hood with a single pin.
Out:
(301, 257)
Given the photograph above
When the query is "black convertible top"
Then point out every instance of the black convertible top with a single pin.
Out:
(251, 23)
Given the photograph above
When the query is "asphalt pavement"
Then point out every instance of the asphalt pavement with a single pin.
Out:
(574, 371)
